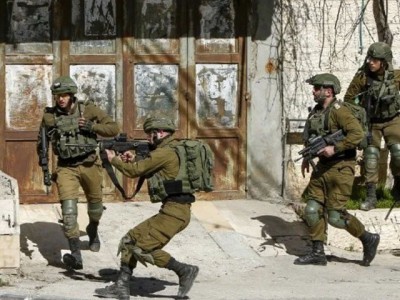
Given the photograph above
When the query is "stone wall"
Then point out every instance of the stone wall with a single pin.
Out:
(290, 42)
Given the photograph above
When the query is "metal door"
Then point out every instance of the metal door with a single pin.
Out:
(27, 62)
(185, 59)
(133, 58)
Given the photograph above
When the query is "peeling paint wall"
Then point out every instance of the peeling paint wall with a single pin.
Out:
(94, 26)
(27, 91)
(156, 26)
(96, 83)
(216, 95)
(29, 21)
(217, 29)
(156, 92)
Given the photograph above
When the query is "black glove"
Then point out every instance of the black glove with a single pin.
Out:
(87, 126)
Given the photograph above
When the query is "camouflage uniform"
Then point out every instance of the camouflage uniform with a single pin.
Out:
(79, 167)
(153, 234)
(382, 88)
(145, 242)
(331, 182)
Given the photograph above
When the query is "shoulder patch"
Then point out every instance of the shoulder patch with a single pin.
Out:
(336, 105)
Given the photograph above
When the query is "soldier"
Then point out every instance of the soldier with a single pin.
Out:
(379, 85)
(145, 242)
(331, 182)
(74, 123)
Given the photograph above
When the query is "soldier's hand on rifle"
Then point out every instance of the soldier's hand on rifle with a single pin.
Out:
(127, 156)
(328, 151)
(85, 125)
(110, 154)
(305, 167)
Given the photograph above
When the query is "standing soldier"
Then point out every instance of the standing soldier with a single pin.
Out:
(331, 182)
(67, 125)
(145, 242)
(379, 85)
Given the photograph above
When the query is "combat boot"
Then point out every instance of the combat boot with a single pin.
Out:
(73, 260)
(396, 189)
(186, 273)
(94, 241)
(370, 201)
(120, 289)
(370, 242)
(315, 257)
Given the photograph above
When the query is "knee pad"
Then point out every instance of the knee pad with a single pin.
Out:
(313, 212)
(337, 218)
(95, 211)
(395, 155)
(69, 210)
(371, 159)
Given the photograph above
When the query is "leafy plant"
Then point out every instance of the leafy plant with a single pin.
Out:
(359, 193)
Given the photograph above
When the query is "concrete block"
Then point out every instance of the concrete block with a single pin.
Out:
(9, 225)
(9, 253)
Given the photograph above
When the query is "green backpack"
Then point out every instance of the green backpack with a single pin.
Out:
(361, 115)
(196, 165)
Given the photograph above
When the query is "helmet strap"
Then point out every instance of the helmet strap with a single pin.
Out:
(156, 140)
(321, 97)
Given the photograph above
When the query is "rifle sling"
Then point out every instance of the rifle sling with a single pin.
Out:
(114, 179)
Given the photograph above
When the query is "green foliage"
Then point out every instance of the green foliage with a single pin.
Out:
(3, 282)
(359, 193)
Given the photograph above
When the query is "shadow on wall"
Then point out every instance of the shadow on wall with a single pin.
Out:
(292, 237)
(47, 238)
(262, 11)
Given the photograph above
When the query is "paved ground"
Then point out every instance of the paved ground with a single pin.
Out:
(245, 250)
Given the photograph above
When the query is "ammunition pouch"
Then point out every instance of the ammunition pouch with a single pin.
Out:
(67, 138)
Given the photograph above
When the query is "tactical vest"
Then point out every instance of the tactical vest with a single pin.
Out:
(68, 141)
(196, 162)
(385, 98)
(317, 123)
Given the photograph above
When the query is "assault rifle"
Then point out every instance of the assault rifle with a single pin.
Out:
(318, 143)
(120, 144)
(43, 158)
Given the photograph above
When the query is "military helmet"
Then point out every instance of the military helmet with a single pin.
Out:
(325, 79)
(380, 50)
(63, 85)
(154, 123)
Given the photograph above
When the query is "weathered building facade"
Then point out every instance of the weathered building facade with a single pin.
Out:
(230, 72)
